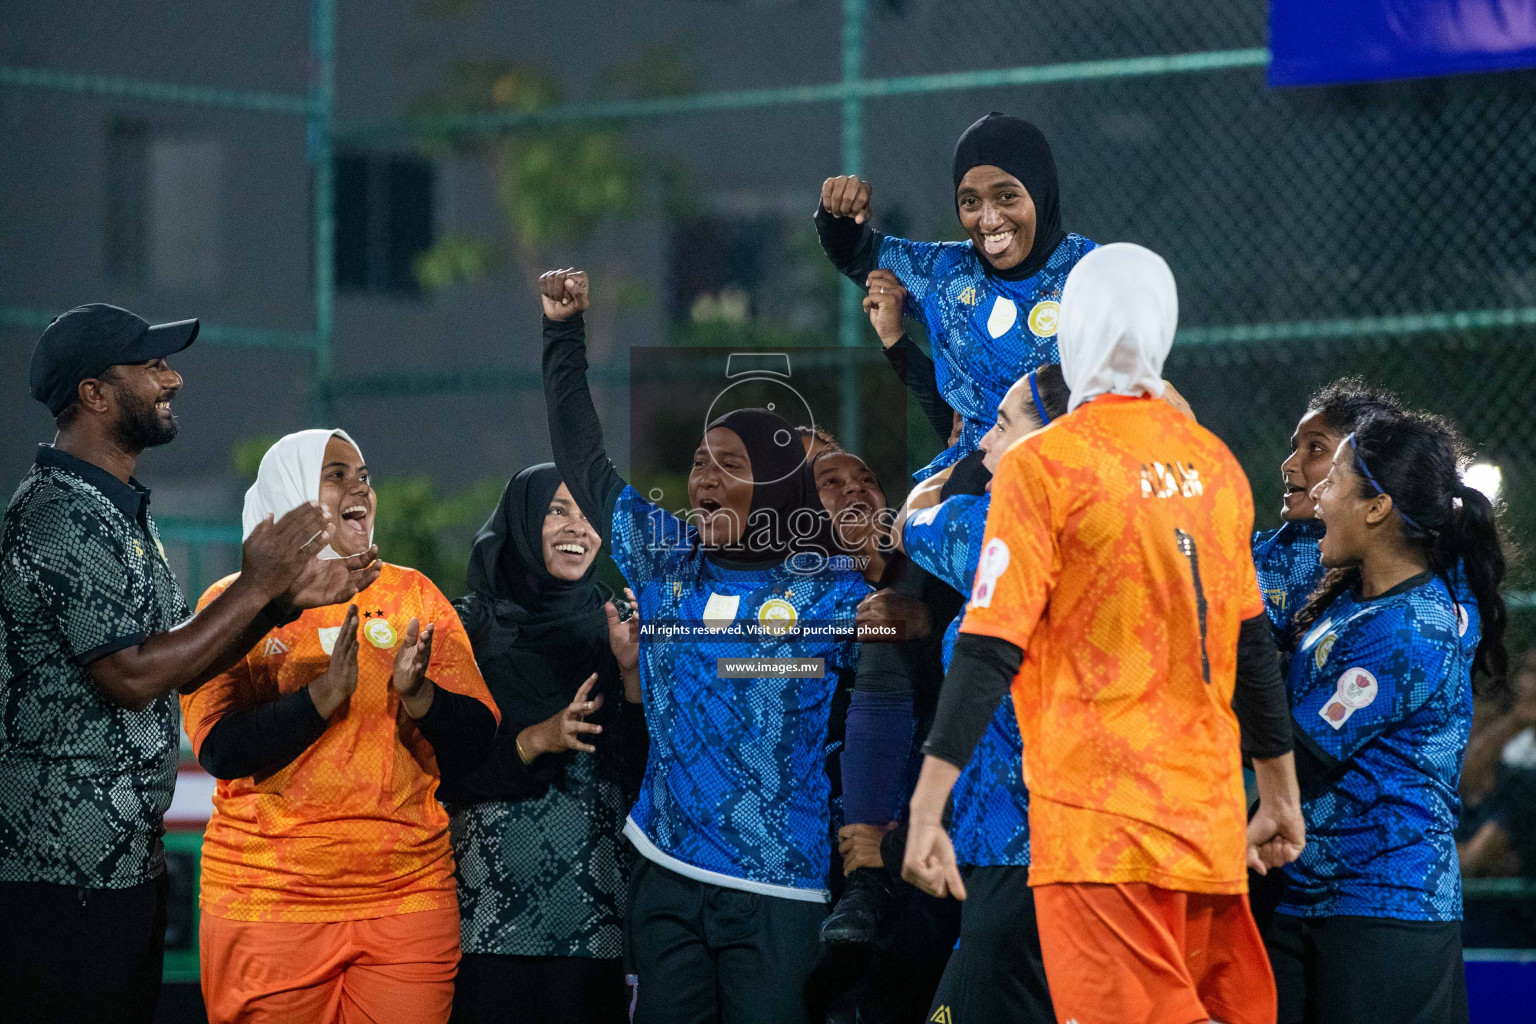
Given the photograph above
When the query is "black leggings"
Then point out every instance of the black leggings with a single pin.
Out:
(1365, 970)
(495, 989)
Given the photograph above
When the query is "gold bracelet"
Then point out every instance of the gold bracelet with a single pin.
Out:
(517, 741)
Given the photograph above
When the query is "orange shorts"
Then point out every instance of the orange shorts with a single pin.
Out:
(1134, 953)
(381, 971)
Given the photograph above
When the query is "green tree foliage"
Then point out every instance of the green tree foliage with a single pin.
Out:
(555, 184)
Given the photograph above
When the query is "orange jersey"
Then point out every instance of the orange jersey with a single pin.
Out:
(1117, 556)
(351, 828)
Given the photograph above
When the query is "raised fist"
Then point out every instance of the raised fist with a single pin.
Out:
(883, 304)
(563, 292)
(846, 196)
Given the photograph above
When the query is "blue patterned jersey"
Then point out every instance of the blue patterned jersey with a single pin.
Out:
(1289, 570)
(1383, 687)
(1290, 567)
(990, 821)
(736, 789)
(985, 332)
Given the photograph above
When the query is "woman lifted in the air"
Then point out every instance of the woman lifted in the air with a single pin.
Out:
(989, 304)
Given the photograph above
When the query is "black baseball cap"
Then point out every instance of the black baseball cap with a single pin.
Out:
(85, 341)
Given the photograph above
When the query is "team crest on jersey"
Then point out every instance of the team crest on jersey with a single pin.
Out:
(380, 633)
(1320, 656)
(1463, 620)
(777, 616)
(328, 635)
(1315, 632)
(1004, 315)
(994, 562)
(1044, 318)
(1357, 689)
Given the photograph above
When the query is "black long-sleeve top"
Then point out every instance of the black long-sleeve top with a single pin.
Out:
(854, 249)
(266, 738)
(575, 433)
(916, 370)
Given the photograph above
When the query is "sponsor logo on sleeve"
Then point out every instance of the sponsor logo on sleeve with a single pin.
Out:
(994, 562)
(1357, 688)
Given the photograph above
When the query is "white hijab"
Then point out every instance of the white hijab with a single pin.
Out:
(1119, 309)
(289, 476)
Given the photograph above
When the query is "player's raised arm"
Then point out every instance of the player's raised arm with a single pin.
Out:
(575, 433)
(842, 224)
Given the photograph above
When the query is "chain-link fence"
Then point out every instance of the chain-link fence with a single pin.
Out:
(1387, 230)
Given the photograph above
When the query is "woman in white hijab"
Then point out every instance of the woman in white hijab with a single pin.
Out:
(1116, 325)
(293, 472)
(327, 889)
(1117, 553)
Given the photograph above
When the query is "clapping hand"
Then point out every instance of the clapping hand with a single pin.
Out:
(339, 681)
(409, 678)
(276, 552)
(327, 581)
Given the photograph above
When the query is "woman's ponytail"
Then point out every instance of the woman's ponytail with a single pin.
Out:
(1471, 541)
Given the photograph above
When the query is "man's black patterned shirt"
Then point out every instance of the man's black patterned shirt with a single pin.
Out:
(84, 783)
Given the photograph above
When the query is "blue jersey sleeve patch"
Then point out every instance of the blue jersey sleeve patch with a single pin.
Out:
(1354, 680)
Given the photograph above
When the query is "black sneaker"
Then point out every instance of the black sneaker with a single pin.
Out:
(856, 918)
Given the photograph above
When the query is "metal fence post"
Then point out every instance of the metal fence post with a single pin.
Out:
(322, 97)
(850, 313)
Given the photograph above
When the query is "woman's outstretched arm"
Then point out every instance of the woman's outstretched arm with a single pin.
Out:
(575, 433)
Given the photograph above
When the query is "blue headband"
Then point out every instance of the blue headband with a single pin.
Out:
(1034, 392)
(1360, 465)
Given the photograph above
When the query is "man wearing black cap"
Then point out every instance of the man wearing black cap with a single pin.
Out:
(95, 643)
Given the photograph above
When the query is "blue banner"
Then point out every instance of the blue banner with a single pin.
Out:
(1322, 42)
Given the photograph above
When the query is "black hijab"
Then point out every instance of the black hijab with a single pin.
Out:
(1019, 148)
(783, 493)
(535, 637)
